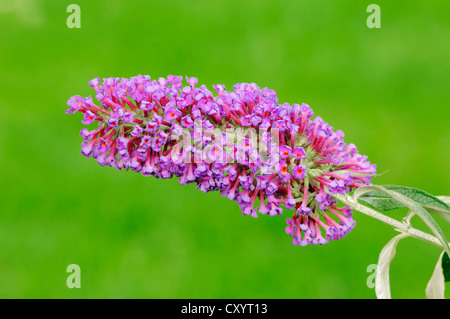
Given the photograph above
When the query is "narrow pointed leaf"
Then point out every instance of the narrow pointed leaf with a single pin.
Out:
(384, 202)
(445, 214)
(436, 286)
(387, 254)
(446, 267)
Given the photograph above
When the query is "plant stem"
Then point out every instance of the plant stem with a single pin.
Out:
(399, 226)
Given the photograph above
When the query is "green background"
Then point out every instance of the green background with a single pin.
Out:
(140, 237)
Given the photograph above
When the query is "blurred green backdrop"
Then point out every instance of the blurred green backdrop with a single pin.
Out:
(137, 237)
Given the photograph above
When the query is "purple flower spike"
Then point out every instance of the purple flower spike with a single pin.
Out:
(284, 158)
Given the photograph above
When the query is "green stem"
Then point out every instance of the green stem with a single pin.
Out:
(399, 226)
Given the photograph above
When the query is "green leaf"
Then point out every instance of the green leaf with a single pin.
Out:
(387, 254)
(415, 207)
(384, 202)
(445, 214)
(381, 201)
(436, 286)
(446, 267)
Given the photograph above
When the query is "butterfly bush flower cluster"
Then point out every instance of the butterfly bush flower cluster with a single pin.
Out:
(244, 143)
